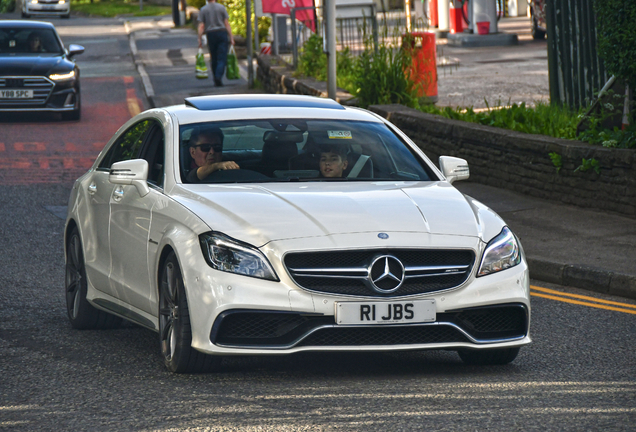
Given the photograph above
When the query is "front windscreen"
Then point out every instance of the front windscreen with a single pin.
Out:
(296, 150)
(29, 41)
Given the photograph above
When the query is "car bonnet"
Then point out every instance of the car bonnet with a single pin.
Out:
(261, 213)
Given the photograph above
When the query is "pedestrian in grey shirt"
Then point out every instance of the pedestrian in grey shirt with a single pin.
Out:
(213, 21)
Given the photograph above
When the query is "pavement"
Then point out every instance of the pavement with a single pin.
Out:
(564, 244)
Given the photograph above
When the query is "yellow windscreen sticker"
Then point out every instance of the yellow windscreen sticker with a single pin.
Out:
(339, 135)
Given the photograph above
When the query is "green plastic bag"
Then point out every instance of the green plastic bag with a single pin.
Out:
(232, 65)
(201, 68)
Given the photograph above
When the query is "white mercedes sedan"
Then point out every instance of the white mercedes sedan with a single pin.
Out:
(275, 224)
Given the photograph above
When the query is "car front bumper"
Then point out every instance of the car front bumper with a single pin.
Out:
(233, 314)
(48, 8)
(48, 95)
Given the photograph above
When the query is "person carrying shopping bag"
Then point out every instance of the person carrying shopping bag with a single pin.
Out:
(213, 22)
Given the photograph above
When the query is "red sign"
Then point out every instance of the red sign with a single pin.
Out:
(283, 7)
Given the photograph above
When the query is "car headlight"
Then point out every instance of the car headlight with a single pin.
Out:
(501, 253)
(229, 255)
(64, 76)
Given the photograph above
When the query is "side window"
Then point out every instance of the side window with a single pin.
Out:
(128, 145)
(153, 152)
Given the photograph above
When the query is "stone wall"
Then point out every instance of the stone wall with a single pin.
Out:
(276, 77)
(521, 162)
(499, 157)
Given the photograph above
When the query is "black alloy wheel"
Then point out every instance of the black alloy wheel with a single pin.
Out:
(81, 313)
(175, 333)
(484, 357)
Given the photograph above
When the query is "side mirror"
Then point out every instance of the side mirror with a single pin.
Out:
(131, 172)
(75, 49)
(454, 168)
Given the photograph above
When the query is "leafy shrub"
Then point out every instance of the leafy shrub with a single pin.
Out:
(7, 6)
(313, 62)
(611, 138)
(374, 77)
(616, 27)
(544, 119)
(379, 78)
(196, 3)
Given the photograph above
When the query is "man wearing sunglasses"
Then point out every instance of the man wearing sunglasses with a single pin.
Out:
(206, 148)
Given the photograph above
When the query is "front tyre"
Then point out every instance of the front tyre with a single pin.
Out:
(483, 357)
(81, 313)
(175, 333)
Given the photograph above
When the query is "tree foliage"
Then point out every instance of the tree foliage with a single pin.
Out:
(616, 28)
(7, 6)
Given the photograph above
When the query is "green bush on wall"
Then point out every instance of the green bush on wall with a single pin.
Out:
(7, 6)
(616, 28)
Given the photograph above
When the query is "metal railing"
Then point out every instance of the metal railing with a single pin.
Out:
(575, 70)
(356, 32)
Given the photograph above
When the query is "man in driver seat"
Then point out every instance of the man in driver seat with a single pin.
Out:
(206, 149)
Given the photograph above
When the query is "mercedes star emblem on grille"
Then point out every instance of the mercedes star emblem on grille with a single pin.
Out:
(386, 274)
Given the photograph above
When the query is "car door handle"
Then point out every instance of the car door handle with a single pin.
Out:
(92, 188)
(118, 193)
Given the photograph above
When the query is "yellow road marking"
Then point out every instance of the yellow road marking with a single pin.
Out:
(133, 107)
(131, 96)
(582, 303)
(594, 299)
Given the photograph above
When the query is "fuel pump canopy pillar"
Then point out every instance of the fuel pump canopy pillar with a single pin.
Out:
(443, 7)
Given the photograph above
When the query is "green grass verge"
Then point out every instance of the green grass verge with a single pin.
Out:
(543, 119)
(109, 8)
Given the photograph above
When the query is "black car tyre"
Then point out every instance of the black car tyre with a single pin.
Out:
(66, 16)
(25, 15)
(500, 356)
(537, 33)
(81, 313)
(175, 333)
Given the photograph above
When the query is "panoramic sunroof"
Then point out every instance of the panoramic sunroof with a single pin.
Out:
(208, 103)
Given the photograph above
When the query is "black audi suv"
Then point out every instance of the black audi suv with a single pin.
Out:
(37, 73)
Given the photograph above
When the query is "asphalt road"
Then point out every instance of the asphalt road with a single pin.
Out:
(579, 374)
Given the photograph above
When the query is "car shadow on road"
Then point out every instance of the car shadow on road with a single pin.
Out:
(135, 344)
(30, 117)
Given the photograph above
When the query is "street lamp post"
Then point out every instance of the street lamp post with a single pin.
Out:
(329, 18)
(248, 42)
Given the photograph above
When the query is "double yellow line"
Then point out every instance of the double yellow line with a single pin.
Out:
(589, 301)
